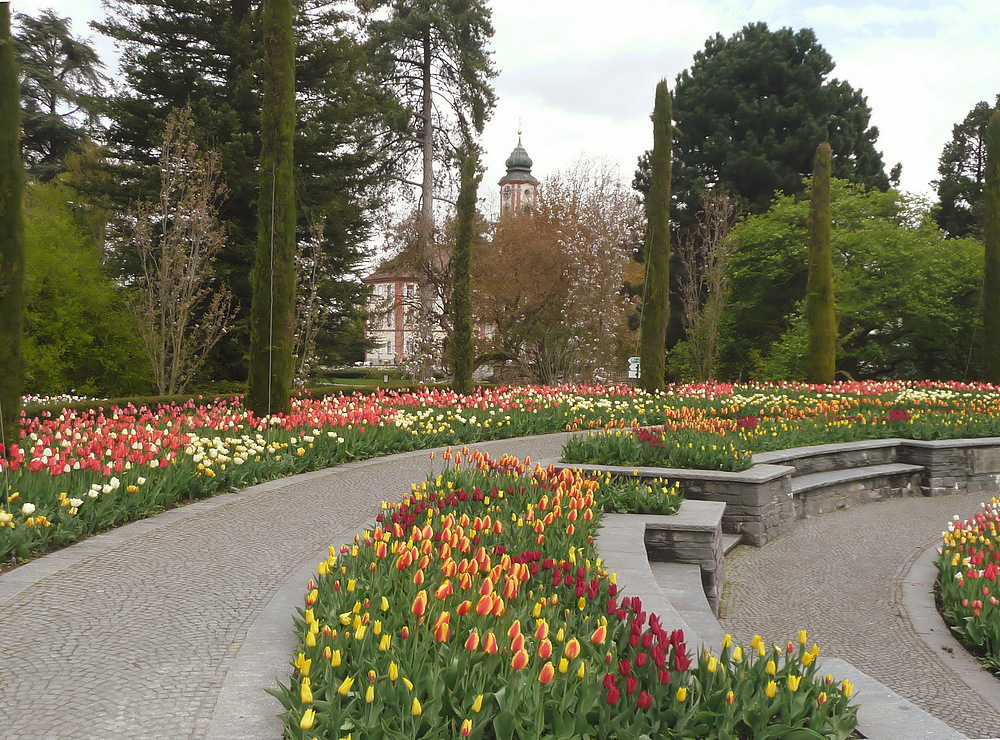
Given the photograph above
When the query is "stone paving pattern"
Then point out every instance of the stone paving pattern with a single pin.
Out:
(136, 639)
(135, 633)
(841, 576)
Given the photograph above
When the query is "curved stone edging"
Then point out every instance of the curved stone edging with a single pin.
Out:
(929, 625)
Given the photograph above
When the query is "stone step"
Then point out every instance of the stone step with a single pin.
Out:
(830, 478)
(681, 584)
(621, 542)
(730, 541)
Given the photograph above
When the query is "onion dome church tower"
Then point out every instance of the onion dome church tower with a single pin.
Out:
(517, 187)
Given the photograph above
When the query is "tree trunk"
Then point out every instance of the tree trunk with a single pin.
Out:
(656, 288)
(820, 310)
(991, 243)
(273, 310)
(426, 226)
(11, 239)
(461, 271)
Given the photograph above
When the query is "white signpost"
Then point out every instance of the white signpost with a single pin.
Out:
(633, 367)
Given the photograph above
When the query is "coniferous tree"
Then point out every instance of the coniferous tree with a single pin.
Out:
(11, 237)
(272, 314)
(60, 89)
(209, 57)
(752, 109)
(656, 289)
(462, 346)
(962, 167)
(820, 311)
(991, 242)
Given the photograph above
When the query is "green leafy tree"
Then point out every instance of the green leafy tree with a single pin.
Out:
(78, 334)
(820, 310)
(962, 167)
(209, 56)
(991, 242)
(907, 297)
(751, 111)
(656, 287)
(11, 237)
(61, 83)
(461, 345)
(272, 328)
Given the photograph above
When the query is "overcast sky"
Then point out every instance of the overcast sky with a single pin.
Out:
(580, 74)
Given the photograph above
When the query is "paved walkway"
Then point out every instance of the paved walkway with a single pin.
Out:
(172, 627)
(847, 577)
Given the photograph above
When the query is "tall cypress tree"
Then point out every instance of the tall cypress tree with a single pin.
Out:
(656, 290)
(272, 313)
(461, 270)
(820, 311)
(11, 237)
(991, 242)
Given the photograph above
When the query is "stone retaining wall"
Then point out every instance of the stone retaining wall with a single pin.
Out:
(761, 503)
(693, 535)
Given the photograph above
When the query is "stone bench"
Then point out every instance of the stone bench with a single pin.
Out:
(819, 493)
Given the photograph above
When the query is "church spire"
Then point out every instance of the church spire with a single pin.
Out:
(517, 187)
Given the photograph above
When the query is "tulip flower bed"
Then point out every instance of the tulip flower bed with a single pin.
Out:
(79, 472)
(478, 608)
(967, 582)
(721, 431)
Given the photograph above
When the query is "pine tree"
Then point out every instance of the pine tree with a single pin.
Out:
(820, 311)
(11, 237)
(461, 269)
(991, 242)
(433, 56)
(272, 313)
(656, 290)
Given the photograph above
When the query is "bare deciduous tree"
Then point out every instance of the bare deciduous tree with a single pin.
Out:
(705, 254)
(599, 221)
(309, 271)
(180, 314)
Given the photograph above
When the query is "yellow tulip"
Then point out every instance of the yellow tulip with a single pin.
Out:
(478, 703)
(682, 693)
(415, 709)
(771, 689)
(345, 686)
(308, 717)
(802, 637)
(793, 683)
(770, 668)
(847, 688)
(305, 692)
